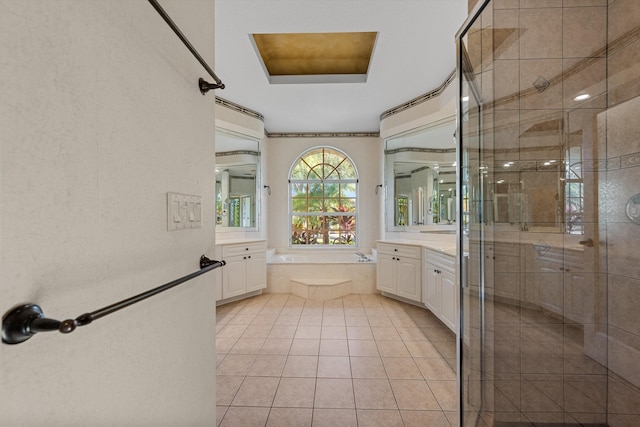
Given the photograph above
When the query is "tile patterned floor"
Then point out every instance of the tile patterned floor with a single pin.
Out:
(360, 360)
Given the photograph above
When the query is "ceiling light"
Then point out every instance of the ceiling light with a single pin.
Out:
(582, 97)
(465, 99)
(506, 165)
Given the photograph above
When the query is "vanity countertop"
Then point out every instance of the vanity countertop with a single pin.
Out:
(444, 246)
(239, 241)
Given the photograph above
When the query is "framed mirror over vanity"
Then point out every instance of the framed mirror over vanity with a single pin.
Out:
(420, 175)
(237, 181)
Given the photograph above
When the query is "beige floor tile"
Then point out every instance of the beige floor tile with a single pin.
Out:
(380, 321)
(334, 333)
(367, 367)
(356, 311)
(310, 320)
(256, 391)
(373, 394)
(267, 309)
(356, 321)
(403, 322)
(435, 368)
(333, 320)
(220, 411)
(413, 395)
(363, 348)
(445, 393)
(380, 418)
(411, 334)
(392, 349)
(305, 347)
(241, 319)
(334, 418)
(236, 364)
(223, 345)
(290, 417)
(385, 334)
(333, 311)
(258, 331)
(283, 331)
(226, 388)
(276, 346)
(265, 319)
(287, 320)
(308, 331)
(334, 393)
(422, 349)
(301, 366)
(424, 419)
(375, 312)
(453, 418)
(232, 331)
(334, 348)
(295, 393)
(245, 417)
(291, 311)
(219, 358)
(333, 303)
(247, 346)
(401, 368)
(267, 365)
(359, 333)
(439, 334)
(334, 367)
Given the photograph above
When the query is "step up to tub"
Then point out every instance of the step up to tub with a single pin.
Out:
(320, 288)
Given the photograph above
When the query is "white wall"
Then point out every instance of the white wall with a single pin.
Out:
(366, 153)
(100, 118)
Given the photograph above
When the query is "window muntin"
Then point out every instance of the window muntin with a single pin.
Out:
(323, 187)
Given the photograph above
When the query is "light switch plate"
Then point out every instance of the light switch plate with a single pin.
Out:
(183, 211)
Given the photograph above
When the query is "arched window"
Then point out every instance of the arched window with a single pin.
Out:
(323, 195)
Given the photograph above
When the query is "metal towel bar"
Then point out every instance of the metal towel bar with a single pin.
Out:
(24, 321)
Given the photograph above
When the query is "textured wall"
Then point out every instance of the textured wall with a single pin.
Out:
(100, 118)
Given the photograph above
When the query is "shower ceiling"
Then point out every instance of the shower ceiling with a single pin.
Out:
(414, 53)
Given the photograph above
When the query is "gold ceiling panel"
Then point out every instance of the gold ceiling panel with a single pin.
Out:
(304, 54)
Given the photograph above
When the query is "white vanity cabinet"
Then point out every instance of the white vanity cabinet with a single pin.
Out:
(440, 292)
(245, 270)
(398, 270)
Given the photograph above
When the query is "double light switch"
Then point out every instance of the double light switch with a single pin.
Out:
(183, 211)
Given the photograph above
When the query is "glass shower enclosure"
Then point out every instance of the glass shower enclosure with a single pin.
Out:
(549, 207)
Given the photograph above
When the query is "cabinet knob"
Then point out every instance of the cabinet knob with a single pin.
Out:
(246, 249)
(397, 259)
(396, 249)
(249, 257)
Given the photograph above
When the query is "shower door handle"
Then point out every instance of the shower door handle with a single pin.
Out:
(588, 243)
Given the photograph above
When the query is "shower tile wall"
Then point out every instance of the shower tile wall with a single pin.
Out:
(559, 313)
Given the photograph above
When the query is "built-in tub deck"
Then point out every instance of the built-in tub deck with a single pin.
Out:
(320, 274)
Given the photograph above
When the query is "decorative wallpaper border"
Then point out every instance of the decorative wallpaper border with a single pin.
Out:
(239, 108)
(420, 150)
(323, 134)
(420, 99)
(237, 152)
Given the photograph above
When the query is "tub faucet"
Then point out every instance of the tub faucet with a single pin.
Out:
(363, 257)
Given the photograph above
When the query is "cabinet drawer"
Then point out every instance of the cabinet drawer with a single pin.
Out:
(441, 260)
(400, 250)
(243, 248)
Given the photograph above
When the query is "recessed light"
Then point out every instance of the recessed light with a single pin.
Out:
(507, 165)
(465, 99)
(582, 97)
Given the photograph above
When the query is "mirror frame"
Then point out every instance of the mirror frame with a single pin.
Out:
(243, 156)
(390, 175)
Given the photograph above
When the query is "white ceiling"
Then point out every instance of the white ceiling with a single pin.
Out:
(414, 54)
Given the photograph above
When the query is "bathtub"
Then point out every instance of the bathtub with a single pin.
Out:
(320, 274)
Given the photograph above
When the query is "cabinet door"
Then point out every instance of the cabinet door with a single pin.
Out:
(256, 271)
(431, 291)
(408, 276)
(448, 299)
(385, 273)
(234, 280)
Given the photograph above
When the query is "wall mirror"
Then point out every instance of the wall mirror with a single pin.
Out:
(237, 181)
(420, 175)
